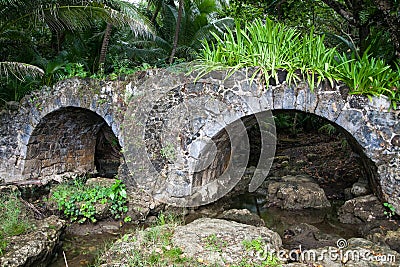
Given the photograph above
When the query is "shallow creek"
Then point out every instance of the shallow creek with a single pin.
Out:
(279, 220)
(82, 243)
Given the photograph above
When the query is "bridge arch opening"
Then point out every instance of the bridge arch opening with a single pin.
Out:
(307, 144)
(325, 151)
(72, 140)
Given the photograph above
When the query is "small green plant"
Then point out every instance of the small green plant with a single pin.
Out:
(257, 246)
(214, 243)
(127, 219)
(3, 244)
(117, 194)
(13, 218)
(390, 210)
(168, 152)
(78, 201)
(328, 129)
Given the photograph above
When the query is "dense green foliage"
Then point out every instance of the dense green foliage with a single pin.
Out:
(43, 41)
(13, 218)
(198, 22)
(355, 24)
(270, 47)
(40, 39)
(78, 201)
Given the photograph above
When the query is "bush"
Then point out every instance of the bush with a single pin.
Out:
(77, 200)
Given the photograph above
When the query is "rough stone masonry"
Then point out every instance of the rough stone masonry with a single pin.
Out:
(80, 125)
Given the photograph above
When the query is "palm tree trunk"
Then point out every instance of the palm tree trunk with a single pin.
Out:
(177, 29)
(104, 45)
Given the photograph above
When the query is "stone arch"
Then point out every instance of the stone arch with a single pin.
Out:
(105, 99)
(366, 168)
(372, 127)
(71, 140)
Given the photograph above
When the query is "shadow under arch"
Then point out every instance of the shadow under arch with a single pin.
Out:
(224, 153)
(315, 123)
(72, 140)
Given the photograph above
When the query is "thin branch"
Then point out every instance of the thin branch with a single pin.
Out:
(342, 10)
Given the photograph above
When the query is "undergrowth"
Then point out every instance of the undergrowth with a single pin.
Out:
(78, 201)
(14, 219)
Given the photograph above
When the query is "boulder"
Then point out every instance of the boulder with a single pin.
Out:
(218, 241)
(360, 188)
(388, 238)
(242, 216)
(295, 193)
(35, 248)
(307, 236)
(392, 239)
(361, 209)
(211, 242)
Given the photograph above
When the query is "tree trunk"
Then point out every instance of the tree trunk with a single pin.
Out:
(362, 27)
(177, 29)
(104, 45)
(155, 14)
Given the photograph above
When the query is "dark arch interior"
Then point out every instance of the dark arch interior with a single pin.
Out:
(306, 144)
(72, 140)
(322, 149)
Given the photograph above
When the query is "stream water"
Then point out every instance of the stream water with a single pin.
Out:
(279, 220)
(83, 243)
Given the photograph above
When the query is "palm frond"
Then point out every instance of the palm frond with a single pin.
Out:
(138, 22)
(170, 15)
(82, 15)
(205, 32)
(19, 70)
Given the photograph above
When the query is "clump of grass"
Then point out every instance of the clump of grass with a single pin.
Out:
(14, 219)
(269, 47)
(369, 76)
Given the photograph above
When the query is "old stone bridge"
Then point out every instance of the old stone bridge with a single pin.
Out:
(180, 138)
